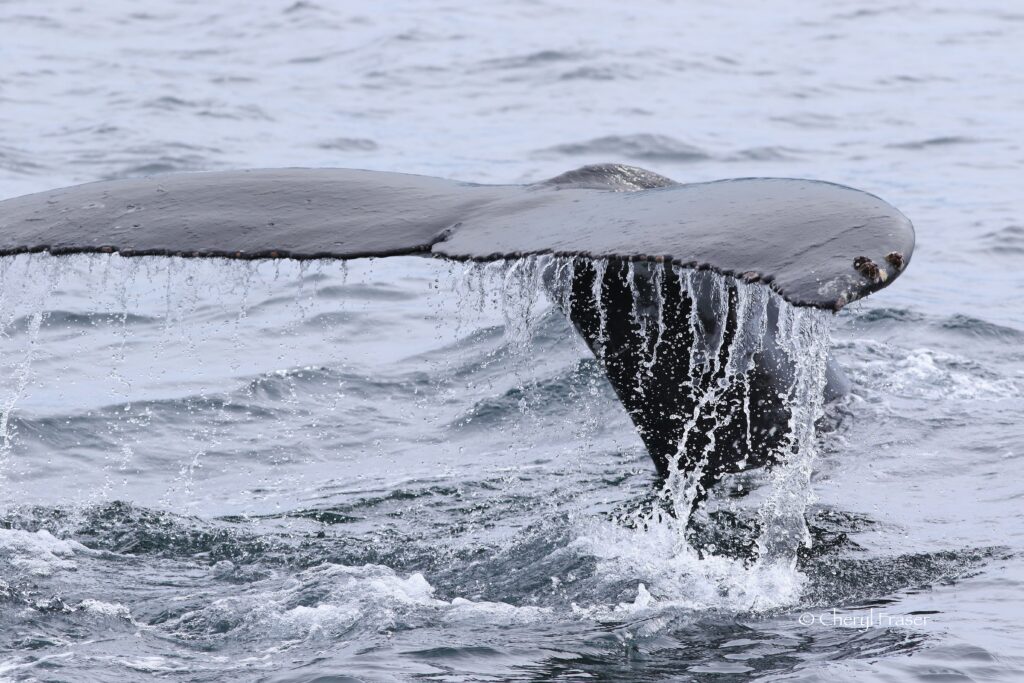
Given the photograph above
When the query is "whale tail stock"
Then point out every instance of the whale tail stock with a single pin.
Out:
(635, 238)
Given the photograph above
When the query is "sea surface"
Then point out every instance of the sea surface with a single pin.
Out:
(407, 469)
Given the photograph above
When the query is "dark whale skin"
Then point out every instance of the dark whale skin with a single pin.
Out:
(801, 237)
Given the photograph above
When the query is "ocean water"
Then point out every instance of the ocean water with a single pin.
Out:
(406, 469)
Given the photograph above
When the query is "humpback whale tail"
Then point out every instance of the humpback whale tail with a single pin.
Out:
(659, 283)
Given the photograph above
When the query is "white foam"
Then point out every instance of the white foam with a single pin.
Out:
(493, 613)
(106, 609)
(928, 373)
(672, 576)
(351, 600)
(39, 553)
(935, 373)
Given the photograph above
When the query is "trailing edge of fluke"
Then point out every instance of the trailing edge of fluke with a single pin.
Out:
(815, 243)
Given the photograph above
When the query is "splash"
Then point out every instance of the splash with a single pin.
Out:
(740, 334)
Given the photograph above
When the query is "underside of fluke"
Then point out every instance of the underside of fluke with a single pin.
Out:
(658, 277)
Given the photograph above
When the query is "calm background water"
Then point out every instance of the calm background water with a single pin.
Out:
(281, 473)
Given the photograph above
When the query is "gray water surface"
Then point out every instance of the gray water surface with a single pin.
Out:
(391, 469)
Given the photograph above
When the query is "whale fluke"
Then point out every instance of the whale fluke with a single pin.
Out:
(816, 244)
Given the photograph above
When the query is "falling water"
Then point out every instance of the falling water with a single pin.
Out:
(767, 330)
(34, 283)
(519, 295)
